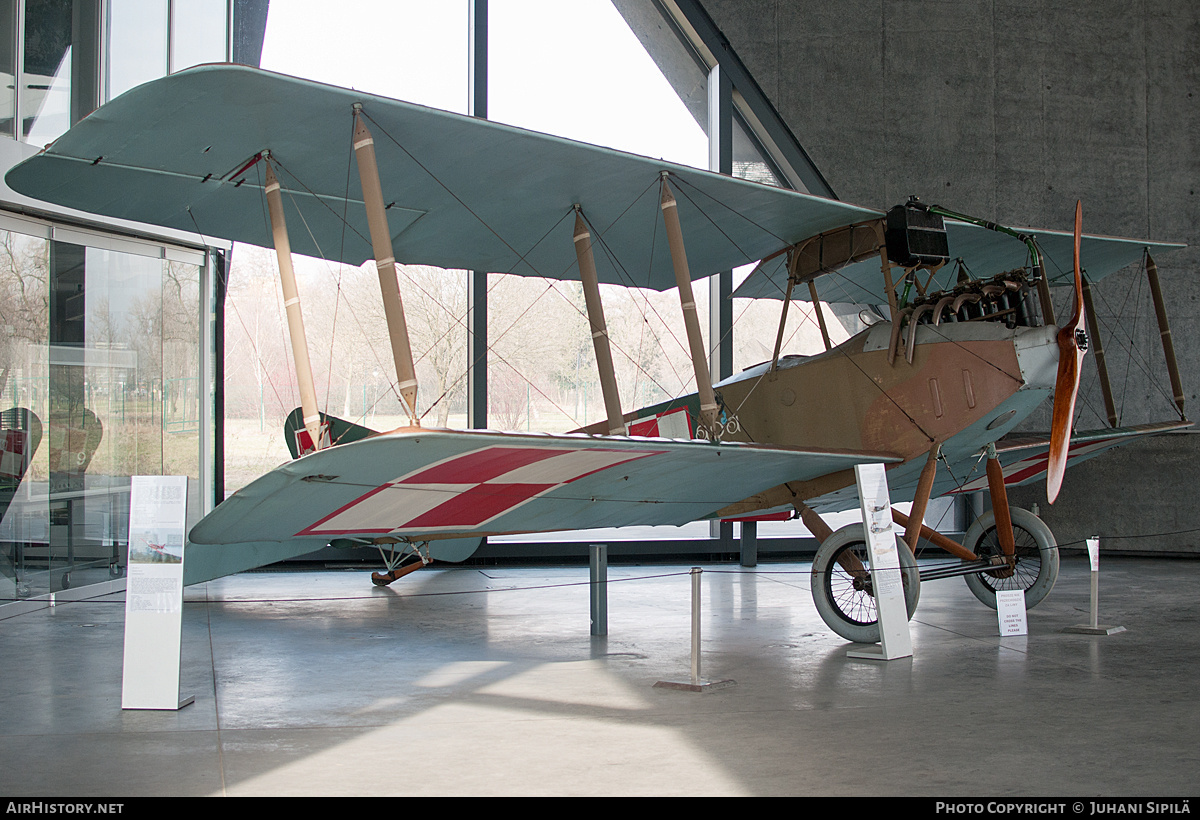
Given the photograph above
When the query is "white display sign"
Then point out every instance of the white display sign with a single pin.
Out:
(894, 638)
(1010, 612)
(1093, 545)
(154, 593)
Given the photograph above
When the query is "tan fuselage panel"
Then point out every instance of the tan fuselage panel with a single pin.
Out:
(852, 398)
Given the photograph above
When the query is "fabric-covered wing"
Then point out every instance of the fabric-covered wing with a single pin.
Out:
(1025, 457)
(985, 253)
(420, 484)
(464, 192)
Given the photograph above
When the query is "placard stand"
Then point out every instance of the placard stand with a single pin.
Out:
(1094, 628)
(154, 593)
(886, 580)
(696, 683)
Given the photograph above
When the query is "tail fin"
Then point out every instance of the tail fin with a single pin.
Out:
(333, 431)
(676, 418)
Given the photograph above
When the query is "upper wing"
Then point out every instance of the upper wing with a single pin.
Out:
(465, 192)
(985, 253)
(419, 484)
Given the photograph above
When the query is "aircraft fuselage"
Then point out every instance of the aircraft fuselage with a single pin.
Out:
(967, 385)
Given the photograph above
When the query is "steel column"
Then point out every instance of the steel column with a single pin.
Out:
(477, 302)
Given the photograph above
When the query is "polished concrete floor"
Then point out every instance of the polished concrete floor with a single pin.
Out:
(485, 681)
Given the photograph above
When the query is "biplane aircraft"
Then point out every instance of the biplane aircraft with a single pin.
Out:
(962, 345)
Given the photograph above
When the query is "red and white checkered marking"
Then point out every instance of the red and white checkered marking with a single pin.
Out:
(304, 442)
(673, 424)
(467, 491)
(1035, 465)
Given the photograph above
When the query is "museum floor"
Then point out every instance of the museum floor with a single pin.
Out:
(485, 681)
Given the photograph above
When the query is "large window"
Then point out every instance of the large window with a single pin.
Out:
(44, 90)
(577, 71)
(99, 381)
(405, 49)
(146, 40)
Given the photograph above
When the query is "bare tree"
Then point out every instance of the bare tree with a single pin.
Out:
(24, 300)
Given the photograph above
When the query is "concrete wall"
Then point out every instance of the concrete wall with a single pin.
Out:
(1012, 110)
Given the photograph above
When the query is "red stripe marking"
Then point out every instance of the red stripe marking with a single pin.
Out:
(779, 516)
(482, 465)
(476, 505)
(647, 428)
(1039, 466)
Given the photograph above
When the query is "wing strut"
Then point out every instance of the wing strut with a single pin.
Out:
(998, 493)
(687, 300)
(1093, 327)
(912, 531)
(595, 310)
(291, 304)
(816, 303)
(385, 264)
(1164, 331)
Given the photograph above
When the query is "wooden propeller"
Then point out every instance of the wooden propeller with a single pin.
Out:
(1072, 344)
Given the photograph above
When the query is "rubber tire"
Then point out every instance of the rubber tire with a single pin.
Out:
(981, 541)
(858, 630)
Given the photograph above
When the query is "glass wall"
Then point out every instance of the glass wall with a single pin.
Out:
(411, 50)
(137, 44)
(45, 86)
(99, 381)
(51, 70)
(145, 40)
(8, 68)
(199, 32)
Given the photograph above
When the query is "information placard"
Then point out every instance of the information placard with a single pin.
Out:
(895, 640)
(1010, 612)
(154, 593)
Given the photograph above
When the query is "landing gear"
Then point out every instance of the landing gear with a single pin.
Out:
(1036, 566)
(394, 556)
(842, 588)
(383, 579)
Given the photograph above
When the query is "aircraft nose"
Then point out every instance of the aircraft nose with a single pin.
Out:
(1037, 355)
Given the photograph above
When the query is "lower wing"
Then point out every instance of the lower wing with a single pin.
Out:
(1025, 457)
(417, 485)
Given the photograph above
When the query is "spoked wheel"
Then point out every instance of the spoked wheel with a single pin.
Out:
(842, 588)
(1036, 569)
